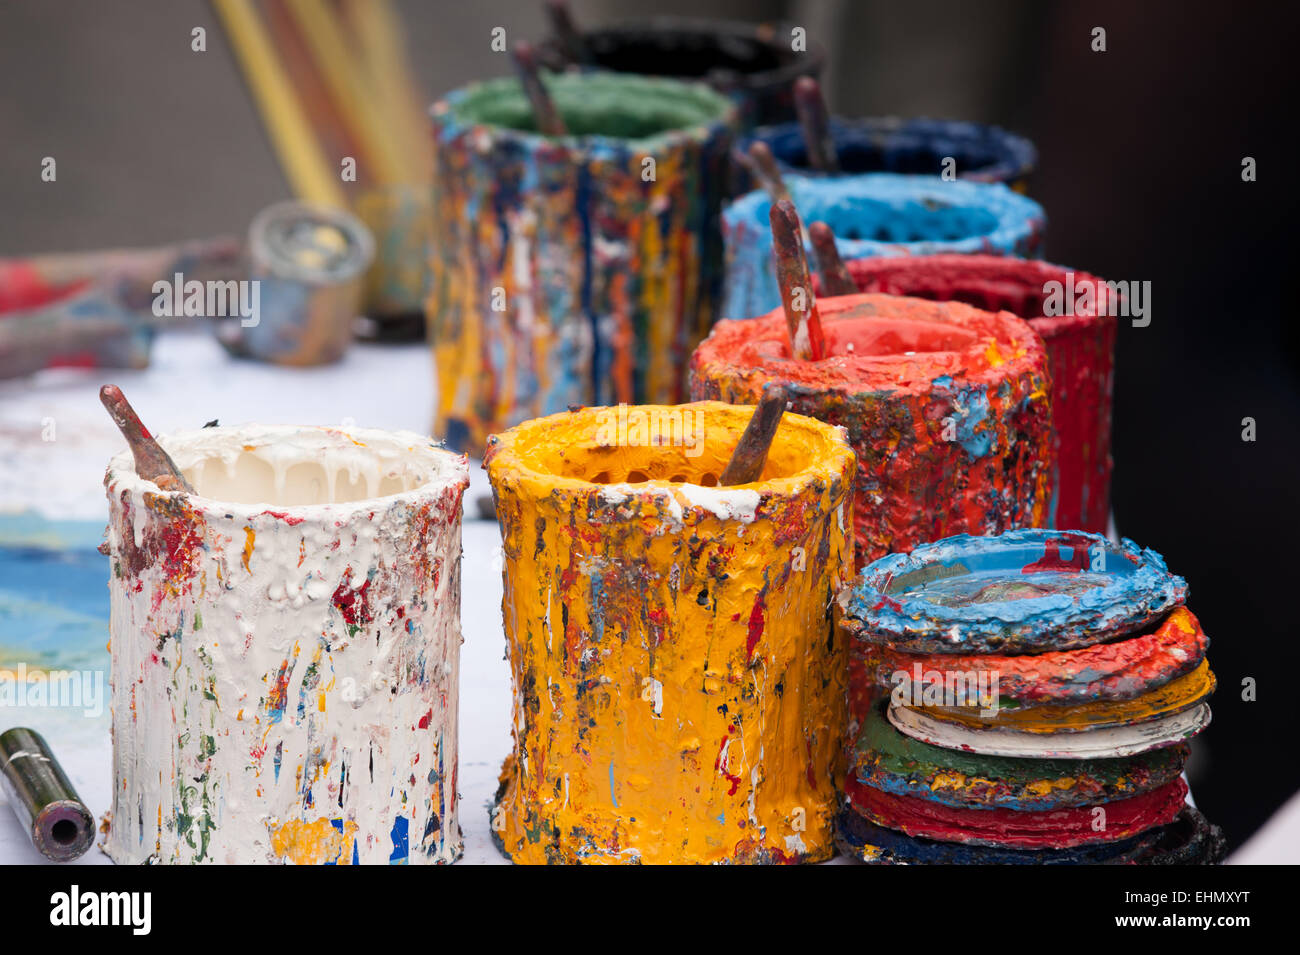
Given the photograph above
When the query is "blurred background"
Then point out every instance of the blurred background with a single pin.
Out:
(1140, 152)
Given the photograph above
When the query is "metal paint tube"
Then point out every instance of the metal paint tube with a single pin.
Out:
(571, 270)
(679, 681)
(285, 649)
(946, 407)
(876, 214)
(308, 262)
(1080, 350)
(42, 797)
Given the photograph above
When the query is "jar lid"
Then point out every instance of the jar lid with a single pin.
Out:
(310, 243)
(1023, 592)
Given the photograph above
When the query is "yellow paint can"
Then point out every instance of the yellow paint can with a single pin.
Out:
(679, 681)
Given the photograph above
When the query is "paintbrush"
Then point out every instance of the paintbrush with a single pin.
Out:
(151, 462)
(571, 42)
(747, 460)
(803, 323)
(836, 279)
(762, 166)
(545, 114)
(815, 124)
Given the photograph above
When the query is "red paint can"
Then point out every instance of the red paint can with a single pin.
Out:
(947, 409)
(1080, 351)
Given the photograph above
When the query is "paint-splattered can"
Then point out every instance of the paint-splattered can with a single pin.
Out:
(285, 649)
(756, 64)
(573, 270)
(946, 407)
(876, 214)
(925, 147)
(679, 681)
(1075, 313)
(306, 266)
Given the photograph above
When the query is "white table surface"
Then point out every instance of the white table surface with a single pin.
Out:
(191, 381)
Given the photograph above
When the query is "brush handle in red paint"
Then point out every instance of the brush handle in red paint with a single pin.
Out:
(803, 323)
(151, 462)
(835, 276)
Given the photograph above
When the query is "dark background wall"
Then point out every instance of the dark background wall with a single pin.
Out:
(1140, 158)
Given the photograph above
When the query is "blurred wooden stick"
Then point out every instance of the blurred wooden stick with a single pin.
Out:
(291, 135)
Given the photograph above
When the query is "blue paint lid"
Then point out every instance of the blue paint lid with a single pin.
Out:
(1026, 591)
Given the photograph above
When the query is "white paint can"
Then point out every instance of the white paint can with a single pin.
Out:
(285, 649)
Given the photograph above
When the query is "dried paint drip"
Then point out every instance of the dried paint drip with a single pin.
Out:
(285, 647)
(876, 214)
(679, 681)
(919, 147)
(753, 64)
(946, 407)
(571, 270)
(1080, 352)
(1029, 693)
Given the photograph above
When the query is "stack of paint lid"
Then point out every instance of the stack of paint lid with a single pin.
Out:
(1025, 698)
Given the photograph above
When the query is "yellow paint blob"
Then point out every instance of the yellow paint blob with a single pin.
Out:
(313, 843)
(679, 684)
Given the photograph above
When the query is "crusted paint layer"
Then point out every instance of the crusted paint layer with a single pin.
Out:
(573, 270)
(947, 408)
(285, 650)
(893, 763)
(864, 841)
(1048, 829)
(1179, 694)
(679, 683)
(1121, 670)
(876, 214)
(1024, 591)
